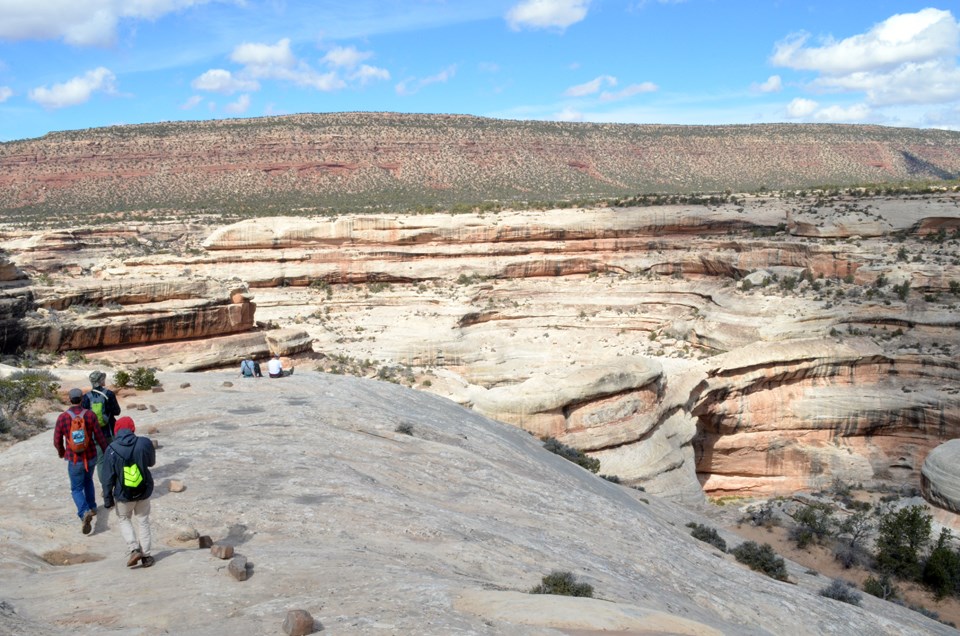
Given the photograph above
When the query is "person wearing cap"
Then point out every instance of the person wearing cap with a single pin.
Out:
(128, 484)
(80, 466)
(98, 394)
(103, 402)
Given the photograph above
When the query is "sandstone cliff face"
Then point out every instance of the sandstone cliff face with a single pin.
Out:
(726, 347)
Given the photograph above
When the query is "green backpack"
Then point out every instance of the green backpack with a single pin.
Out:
(98, 402)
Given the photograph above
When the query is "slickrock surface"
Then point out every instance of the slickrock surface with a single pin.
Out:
(372, 531)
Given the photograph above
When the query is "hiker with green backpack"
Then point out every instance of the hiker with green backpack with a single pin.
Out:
(103, 402)
(128, 484)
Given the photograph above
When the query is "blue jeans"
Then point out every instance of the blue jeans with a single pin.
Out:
(81, 486)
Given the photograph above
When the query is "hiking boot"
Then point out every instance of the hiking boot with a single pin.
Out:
(135, 556)
(87, 522)
(147, 561)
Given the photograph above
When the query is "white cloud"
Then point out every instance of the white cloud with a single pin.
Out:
(75, 91)
(800, 108)
(367, 73)
(346, 57)
(218, 80)
(412, 85)
(547, 14)
(238, 107)
(902, 38)
(909, 58)
(839, 114)
(264, 59)
(773, 85)
(191, 103)
(79, 22)
(591, 87)
(488, 67)
(936, 81)
(5, 93)
(629, 91)
(568, 114)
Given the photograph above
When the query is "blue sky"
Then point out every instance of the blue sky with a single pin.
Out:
(68, 64)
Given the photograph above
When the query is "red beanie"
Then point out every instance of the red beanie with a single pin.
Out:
(124, 422)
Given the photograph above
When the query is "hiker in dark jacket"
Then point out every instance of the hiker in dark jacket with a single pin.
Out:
(127, 482)
(80, 465)
(100, 398)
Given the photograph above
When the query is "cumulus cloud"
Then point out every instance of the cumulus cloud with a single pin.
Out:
(5, 93)
(412, 85)
(191, 103)
(568, 114)
(809, 110)
(591, 87)
(800, 108)
(909, 58)
(629, 91)
(218, 80)
(366, 73)
(773, 85)
(238, 107)
(902, 38)
(264, 59)
(263, 62)
(843, 114)
(79, 22)
(547, 14)
(345, 56)
(75, 91)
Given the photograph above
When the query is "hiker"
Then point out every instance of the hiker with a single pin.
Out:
(77, 438)
(127, 482)
(103, 402)
(250, 369)
(275, 368)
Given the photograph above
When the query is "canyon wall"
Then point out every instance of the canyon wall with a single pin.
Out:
(761, 345)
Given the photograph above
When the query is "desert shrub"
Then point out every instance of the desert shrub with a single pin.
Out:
(121, 378)
(557, 447)
(404, 428)
(902, 290)
(814, 524)
(562, 584)
(75, 357)
(708, 535)
(761, 558)
(611, 478)
(901, 537)
(761, 515)
(882, 587)
(21, 389)
(842, 591)
(144, 379)
(941, 571)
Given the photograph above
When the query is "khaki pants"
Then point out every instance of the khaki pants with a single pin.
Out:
(140, 510)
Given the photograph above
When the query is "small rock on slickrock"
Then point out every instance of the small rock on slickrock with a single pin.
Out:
(185, 385)
(221, 551)
(228, 383)
(238, 567)
(176, 485)
(153, 409)
(187, 534)
(153, 430)
(139, 407)
(298, 623)
(205, 542)
(157, 389)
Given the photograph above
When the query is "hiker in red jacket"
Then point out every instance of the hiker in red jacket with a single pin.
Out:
(77, 443)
